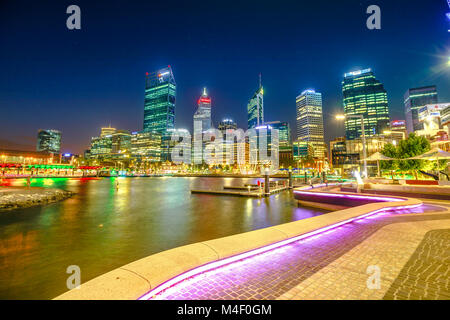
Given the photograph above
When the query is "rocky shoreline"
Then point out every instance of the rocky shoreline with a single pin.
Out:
(22, 197)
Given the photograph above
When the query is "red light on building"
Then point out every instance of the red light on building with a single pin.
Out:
(204, 100)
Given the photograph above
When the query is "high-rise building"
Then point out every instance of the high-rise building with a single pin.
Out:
(364, 95)
(146, 146)
(415, 99)
(107, 131)
(310, 120)
(101, 146)
(49, 141)
(227, 124)
(121, 142)
(255, 107)
(202, 123)
(284, 141)
(159, 105)
(168, 142)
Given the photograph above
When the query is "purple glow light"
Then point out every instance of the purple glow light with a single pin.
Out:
(351, 196)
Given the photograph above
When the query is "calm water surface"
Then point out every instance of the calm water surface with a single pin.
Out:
(101, 228)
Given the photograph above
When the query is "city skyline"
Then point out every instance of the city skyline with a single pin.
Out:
(94, 94)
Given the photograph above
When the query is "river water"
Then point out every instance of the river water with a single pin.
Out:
(102, 228)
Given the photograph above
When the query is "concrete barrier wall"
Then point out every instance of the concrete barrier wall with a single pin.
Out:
(137, 278)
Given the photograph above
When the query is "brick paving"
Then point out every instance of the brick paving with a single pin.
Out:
(278, 273)
(426, 275)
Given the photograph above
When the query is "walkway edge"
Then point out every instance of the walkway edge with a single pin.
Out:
(167, 267)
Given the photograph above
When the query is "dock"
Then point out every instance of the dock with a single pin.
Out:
(254, 192)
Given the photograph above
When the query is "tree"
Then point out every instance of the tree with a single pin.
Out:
(389, 150)
(411, 147)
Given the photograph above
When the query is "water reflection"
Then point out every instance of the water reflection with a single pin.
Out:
(104, 227)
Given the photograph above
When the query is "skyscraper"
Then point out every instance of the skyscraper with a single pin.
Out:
(159, 105)
(255, 107)
(202, 123)
(49, 140)
(310, 121)
(415, 99)
(227, 124)
(364, 95)
(146, 146)
(284, 141)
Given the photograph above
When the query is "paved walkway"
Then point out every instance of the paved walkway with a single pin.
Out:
(333, 265)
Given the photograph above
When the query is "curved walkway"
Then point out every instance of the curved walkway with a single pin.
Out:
(331, 265)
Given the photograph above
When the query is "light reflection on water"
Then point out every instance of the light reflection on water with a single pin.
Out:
(102, 227)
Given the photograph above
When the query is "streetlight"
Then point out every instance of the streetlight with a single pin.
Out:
(357, 116)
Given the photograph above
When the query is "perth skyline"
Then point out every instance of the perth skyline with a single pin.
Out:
(79, 81)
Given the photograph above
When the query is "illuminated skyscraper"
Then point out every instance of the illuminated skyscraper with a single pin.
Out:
(284, 141)
(364, 95)
(310, 121)
(107, 131)
(415, 99)
(255, 108)
(146, 146)
(49, 140)
(227, 124)
(159, 105)
(202, 123)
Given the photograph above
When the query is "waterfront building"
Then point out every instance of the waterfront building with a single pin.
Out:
(284, 143)
(101, 146)
(121, 142)
(399, 127)
(49, 140)
(146, 146)
(167, 144)
(202, 123)
(310, 120)
(107, 131)
(227, 124)
(255, 107)
(364, 95)
(414, 100)
(430, 116)
(257, 142)
(230, 147)
(346, 155)
(445, 118)
(302, 149)
(159, 105)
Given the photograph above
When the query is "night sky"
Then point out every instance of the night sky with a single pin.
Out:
(80, 80)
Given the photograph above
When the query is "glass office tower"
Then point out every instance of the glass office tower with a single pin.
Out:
(364, 95)
(202, 123)
(159, 105)
(310, 121)
(255, 108)
(415, 99)
(49, 140)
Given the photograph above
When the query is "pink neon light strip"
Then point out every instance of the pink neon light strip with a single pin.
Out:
(217, 264)
(351, 196)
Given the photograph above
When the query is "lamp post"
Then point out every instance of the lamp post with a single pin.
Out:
(358, 116)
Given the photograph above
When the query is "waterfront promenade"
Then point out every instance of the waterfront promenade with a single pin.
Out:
(411, 247)
(328, 259)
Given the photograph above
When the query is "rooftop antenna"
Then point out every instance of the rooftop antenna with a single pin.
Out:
(260, 82)
(204, 92)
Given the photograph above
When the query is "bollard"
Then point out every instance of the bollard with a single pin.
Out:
(266, 183)
(290, 180)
